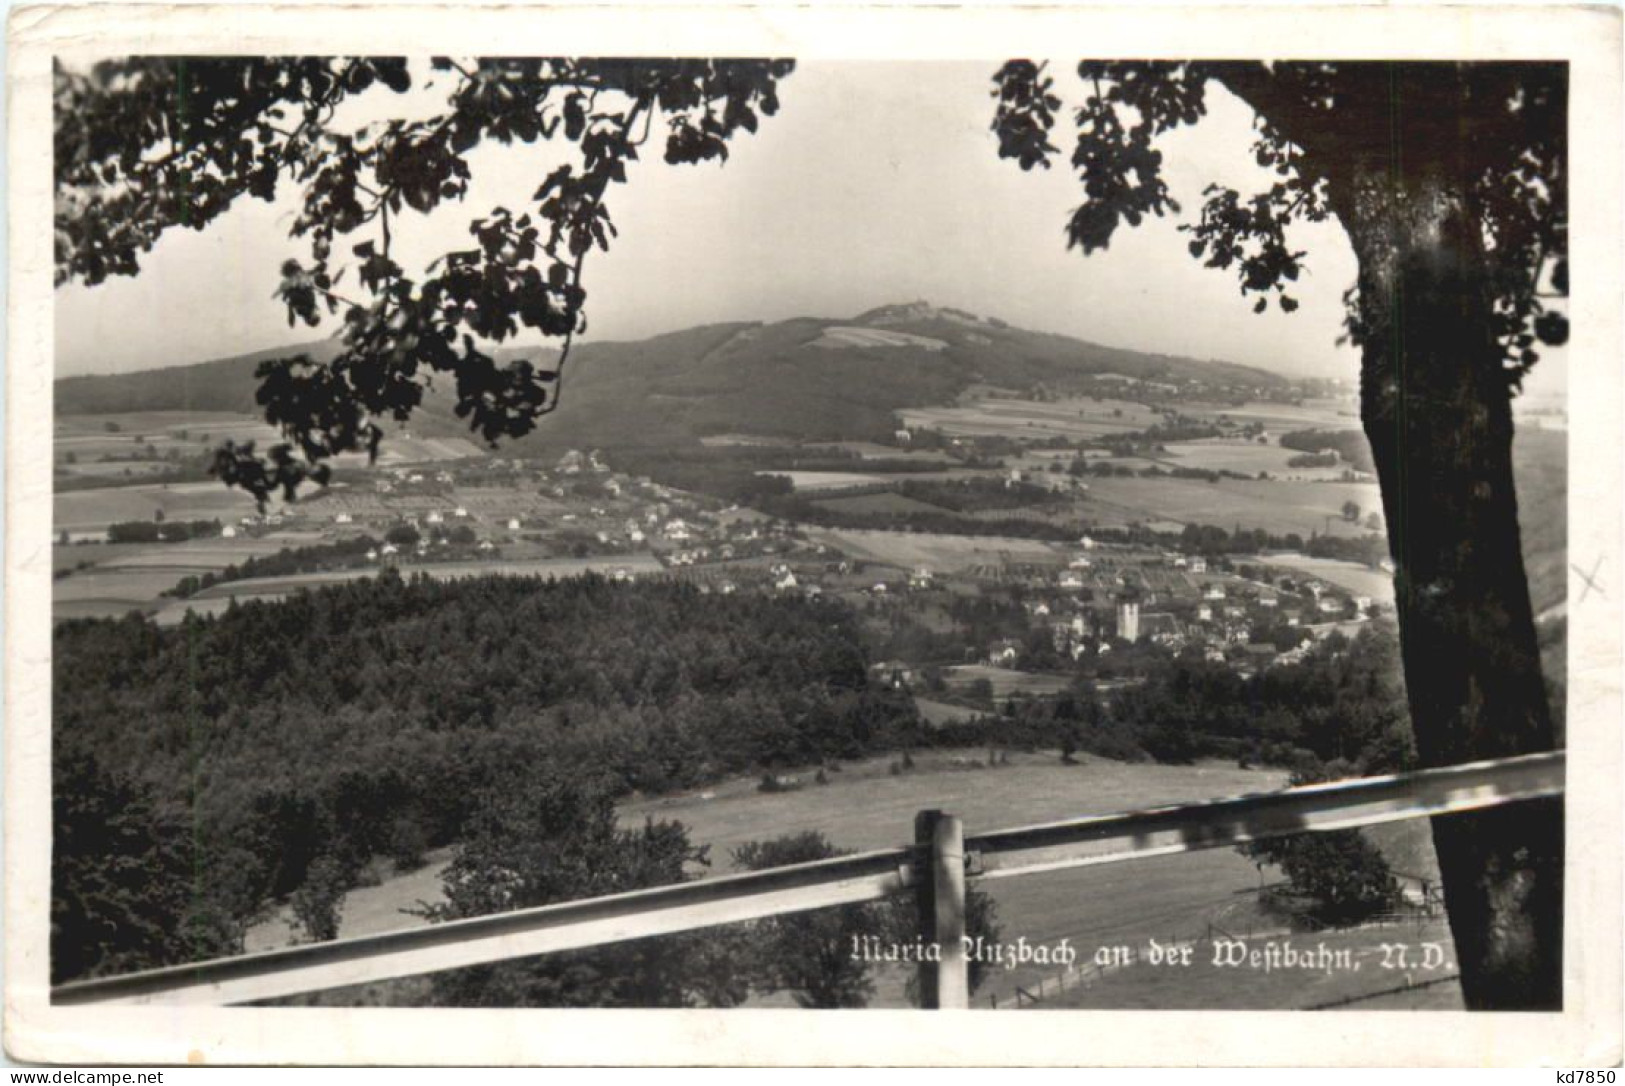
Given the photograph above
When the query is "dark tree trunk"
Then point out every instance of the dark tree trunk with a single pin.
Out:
(1436, 407)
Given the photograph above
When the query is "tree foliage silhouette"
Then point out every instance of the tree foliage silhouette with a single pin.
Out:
(147, 144)
(1450, 181)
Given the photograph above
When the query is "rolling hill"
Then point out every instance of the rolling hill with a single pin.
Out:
(801, 378)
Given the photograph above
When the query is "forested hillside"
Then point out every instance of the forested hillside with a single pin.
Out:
(805, 378)
(202, 769)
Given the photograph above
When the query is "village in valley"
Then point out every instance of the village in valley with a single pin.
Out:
(1008, 614)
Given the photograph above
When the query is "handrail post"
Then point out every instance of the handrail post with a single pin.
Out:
(945, 981)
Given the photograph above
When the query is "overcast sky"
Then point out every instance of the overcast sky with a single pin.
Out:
(876, 183)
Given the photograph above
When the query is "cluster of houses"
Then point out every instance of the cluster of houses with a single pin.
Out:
(1096, 604)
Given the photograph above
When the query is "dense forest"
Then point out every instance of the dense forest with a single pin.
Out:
(226, 759)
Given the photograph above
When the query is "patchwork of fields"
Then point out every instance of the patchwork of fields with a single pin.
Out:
(1350, 575)
(1244, 458)
(143, 443)
(1073, 418)
(94, 510)
(937, 553)
(1277, 507)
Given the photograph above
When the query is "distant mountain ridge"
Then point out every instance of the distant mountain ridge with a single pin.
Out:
(801, 378)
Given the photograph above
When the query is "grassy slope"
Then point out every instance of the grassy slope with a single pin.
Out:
(865, 807)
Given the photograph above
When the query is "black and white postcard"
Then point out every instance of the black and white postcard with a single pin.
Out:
(780, 536)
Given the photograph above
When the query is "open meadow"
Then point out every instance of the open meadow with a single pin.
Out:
(1244, 458)
(1006, 681)
(935, 552)
(866, 807)
(1074, 418)
(1317, 414)
(102, 580)
(803, 481)
(1278, 507)
(1361, 580)
(94, 510)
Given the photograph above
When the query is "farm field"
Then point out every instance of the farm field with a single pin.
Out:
(847, 480)
(130, 576)
(879, 503)
(938, 553)
(868, 450)
(1006, 681)
(1245, 458)
(94, 510)
(93, 554)
(1282, 417)
(1277, 507)
(1358, 579)
(1079, 417)
(940, 712)
(825, 480)
(194, 554)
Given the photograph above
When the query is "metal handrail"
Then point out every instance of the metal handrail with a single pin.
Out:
(868, 876)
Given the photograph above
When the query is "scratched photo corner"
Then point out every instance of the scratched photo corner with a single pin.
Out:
(589, 532)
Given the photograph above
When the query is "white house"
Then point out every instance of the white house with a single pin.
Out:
(513, 524)
(1198, 565)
